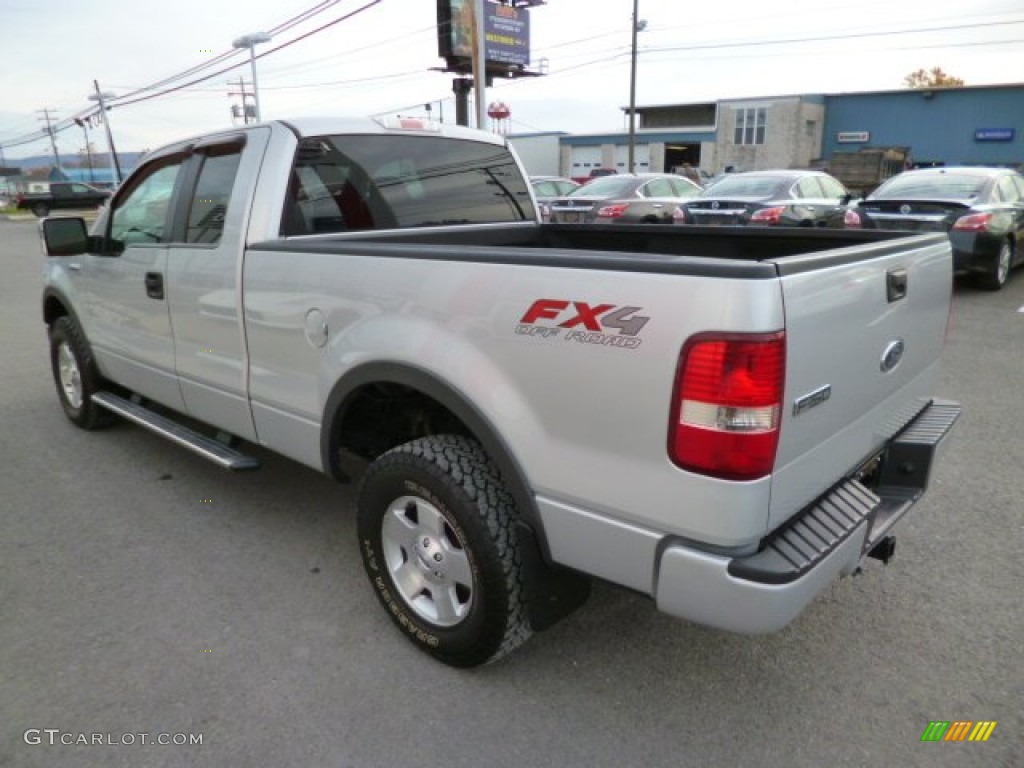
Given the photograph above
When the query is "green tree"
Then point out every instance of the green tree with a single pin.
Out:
(931, 78)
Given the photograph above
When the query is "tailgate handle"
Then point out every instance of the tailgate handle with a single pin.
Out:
(895, 284)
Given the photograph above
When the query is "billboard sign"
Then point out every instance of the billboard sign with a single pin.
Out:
(506, 34)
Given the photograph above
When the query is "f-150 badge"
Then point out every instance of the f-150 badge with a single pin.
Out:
(603, 324)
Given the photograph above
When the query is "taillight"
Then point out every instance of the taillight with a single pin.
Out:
(545, 212)
(679, 215)
(612, 211)
(975, 222)
(727, 404)
(851, 219)
(768, 215)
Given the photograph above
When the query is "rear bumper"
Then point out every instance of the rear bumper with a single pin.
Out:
(828, 539)
(975, 251)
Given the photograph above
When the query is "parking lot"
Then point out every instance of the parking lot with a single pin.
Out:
(144, 591)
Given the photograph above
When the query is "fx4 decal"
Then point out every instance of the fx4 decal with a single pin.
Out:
(583, 323)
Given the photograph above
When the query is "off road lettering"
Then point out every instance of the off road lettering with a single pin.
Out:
(596, 318)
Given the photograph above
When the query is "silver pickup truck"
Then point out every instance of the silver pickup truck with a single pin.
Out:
(726, 420)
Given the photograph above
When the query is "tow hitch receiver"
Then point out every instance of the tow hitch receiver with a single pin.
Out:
(884, 550)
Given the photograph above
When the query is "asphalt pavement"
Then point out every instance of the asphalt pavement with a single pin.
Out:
(144, 591)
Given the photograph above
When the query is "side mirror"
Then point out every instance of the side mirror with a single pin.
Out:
(845, 199)
(64, 236)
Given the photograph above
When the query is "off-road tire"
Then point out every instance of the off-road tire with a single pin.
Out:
(446, 478)
(69, 348)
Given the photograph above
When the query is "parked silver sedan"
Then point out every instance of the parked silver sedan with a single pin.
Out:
(549, 188)
(625, 198)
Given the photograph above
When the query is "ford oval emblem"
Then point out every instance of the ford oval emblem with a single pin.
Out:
(892, 355)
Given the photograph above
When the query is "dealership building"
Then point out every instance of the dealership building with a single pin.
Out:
(970, 125)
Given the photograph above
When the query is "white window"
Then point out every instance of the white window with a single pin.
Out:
(750, 125)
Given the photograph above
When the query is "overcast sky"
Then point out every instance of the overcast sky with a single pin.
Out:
(381, 59)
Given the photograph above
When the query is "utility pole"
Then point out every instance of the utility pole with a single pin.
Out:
(246, 110)
(99, 97)
(631, 167)
(45, 111)
(88, 150)
(479, 63)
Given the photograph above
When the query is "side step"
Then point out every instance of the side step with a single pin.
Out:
(220, 454)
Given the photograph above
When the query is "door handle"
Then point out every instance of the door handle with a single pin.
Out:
(154, 285)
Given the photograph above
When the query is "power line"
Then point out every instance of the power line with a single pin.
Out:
(122, 103)
(284, 26)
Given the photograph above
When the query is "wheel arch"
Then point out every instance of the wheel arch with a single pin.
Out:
(553, 591)
(55, 305)
(348, 388)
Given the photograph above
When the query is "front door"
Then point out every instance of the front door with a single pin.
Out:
(124, 287)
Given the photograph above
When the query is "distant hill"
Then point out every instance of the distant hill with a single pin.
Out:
(128, 160)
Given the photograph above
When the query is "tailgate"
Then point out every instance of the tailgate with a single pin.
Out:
(865, 327)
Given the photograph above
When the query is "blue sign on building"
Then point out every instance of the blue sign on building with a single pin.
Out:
(993, 134)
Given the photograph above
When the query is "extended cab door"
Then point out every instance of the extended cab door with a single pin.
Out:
(124, 294)
(204, 264)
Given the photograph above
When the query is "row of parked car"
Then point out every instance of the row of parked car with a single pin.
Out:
(982, 209)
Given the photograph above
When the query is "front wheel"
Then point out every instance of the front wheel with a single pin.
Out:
(75, 375)
(439, 546)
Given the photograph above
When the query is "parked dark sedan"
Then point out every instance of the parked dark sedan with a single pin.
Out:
(982, 209)
(782, 198)
(625, 198)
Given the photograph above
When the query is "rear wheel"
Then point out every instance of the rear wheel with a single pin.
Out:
(438, 543)
(995, 278)
(41, 209)
(75, 375)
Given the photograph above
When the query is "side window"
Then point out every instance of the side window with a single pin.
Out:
(140, 214)
(657, 188)
(1006, 191)
(808, 187)
(209, 205)
(682, 189)
(833, 189)
(1018, 182)
(80, 189)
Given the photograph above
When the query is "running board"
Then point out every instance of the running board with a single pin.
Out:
(220, 454)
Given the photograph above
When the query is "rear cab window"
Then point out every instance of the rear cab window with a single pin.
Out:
(365, 182)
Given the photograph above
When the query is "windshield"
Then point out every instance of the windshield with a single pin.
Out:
(607, 186)
(937, 186)
(745, 186)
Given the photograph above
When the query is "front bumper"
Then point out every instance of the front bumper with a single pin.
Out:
(764, 591)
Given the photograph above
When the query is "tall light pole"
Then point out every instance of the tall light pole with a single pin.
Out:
(250, 42)
(99, 96)
(88, 150)
(637, 26)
